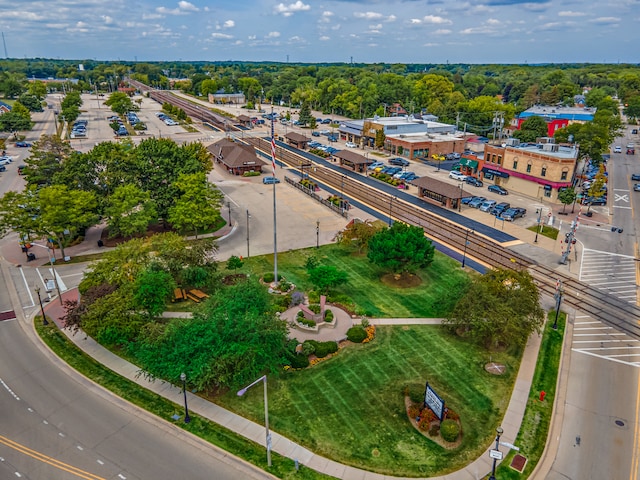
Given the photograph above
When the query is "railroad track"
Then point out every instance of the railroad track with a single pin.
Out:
(610, 310)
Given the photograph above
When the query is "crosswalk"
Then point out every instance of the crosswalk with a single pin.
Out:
(594, 338)
(610, 272)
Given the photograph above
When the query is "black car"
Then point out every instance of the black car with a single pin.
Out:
(595, 200)
(474, 181)
(499, 208)
(467, 200)
(315, 134)
(399, 161)
(497, 189)
(511, 214)
(635, 176)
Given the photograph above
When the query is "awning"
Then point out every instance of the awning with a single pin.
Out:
(495, 173)
(467, 162)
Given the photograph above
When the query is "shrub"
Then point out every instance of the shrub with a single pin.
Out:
(251, 174)
(284, 286)
(268, 277)
(297, 298)
(299, 361)
(300, 315)
(328, 316)
(308, 323)
(315, 308)
(449, 430)
(322, 349)
(414, 410)
(434, 430)
(356, 334)
(309, 347)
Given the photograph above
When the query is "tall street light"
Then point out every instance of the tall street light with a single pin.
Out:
(390, 204)
(248, 217)
(183, 377)
(558, 297)
(317, 233)
(44, 317)
(466, 242)
(229, 208)
(496, 454)
(538, 227)
(266, 413)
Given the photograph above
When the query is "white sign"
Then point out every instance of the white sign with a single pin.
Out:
(497, 454)
(510, 445)
(434, 402)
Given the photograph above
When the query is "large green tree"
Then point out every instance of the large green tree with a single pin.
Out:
(501, 307)
(153, 288)
(129, 211)
(48, 155)
(401, 248)
(532, 128)
(324, 277)
(120, 103)
(198, 205)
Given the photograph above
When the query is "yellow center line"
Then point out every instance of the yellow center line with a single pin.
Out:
(635, 460)
(49, 460)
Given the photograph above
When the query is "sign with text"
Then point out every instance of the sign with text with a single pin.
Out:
(434, 402)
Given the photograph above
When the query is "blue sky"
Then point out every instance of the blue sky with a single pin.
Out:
(391, 31)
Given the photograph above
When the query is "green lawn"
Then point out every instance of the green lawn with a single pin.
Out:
(350, 408)
(442, 282)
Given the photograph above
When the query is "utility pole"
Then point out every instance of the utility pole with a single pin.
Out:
(570, 240)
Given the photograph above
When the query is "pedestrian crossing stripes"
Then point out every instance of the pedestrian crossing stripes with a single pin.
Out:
(594, 338)
(610, 272)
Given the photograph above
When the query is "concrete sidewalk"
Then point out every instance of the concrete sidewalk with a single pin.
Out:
(255, 432)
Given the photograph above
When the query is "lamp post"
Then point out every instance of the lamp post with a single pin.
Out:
(496, 453)
(248, 217)
(317, 233)
(558, 296)
(538, 227)
(53, 271)
(460, 199)
(183, 377)
(266, 413)
(229, 209)
(44, 318)
(464, 251)
(390, 204)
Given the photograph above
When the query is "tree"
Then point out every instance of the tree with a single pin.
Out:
(380, 138)
(64, 212)
(305, 113)
(358, 233)
(37, 89)
(153, 287)
(129, 211)
(14, 122)
(401, 248)
(325, 277)
(18, 213)
(532, 128)
(48, 155)
(234, 263)
(198, 205)
(33, 103)
(500, 308)
(567, 196)
(229, 342)
(120, 103)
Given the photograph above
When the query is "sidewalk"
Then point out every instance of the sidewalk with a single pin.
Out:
(255, 432)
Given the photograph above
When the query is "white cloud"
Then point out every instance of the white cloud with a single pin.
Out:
(436, 20)
(391, 18)
(326, 17)
(288, 10)
(324, 38)
(229, 24)
(569, 13)
(187, 6)
(107, 19)
(273, 35)
(222, 36)
(184, 8)
(442, 31)
(493, 21)
(151, 16)
(605, 20)
(368, 15)
(375, 27)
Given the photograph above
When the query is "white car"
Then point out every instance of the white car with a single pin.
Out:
(457, 175)
(617, 149)
(350, 145)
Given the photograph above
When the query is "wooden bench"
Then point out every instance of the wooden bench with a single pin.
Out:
(193, 298)
(199, 294)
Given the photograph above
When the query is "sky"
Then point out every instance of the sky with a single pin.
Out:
(310, 31)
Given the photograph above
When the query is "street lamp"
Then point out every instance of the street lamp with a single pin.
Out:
(248, 217)
(44, 317)
(183, 377)
(317, 233)
(538, 227)
(558, 296)
(466, 242)
(460, 199)
(266, 413)
(390, 204)
(53, 270)
(229, 207)
(497, 453)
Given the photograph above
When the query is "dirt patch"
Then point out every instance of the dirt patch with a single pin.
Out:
(495, 368)
(518, 463)
(234, 278)
(404, 280)
(437, 438)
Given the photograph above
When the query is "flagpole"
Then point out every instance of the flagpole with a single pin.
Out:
(273, 168)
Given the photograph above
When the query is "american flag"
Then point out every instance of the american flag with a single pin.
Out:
(273, 147)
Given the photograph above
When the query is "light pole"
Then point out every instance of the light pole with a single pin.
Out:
(460, 199)
(55, 276)
(248, 217)
(317, 233)
(342, 193)
(466, 242)
(229, 208)
(558, 296)
(538, 227)
(266, 413)
(183, 377)
(44, 318)
(390, 204)
(495, 454)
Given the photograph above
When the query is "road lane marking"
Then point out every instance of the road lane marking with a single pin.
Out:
(49, 460)
(8, 389)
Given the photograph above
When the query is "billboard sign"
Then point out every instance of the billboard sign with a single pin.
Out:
(434, 402)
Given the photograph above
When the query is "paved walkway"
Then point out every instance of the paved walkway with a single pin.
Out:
(282, 445)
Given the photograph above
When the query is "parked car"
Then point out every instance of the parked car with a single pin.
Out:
(23, 144)
(487, 205)
(326, 121)
(499, 208)
(350, 145)
(315, 134)
(617, 149)
(474, 181)
(399, 161)
(636, 187)
(4, 161)
(467, 200)
(21, 169)
(270, 180)
(634, 131)
(498, 189)
(375, 165)
(391, 170)
(635, 176)
(3, 168)
(512, 213)
(452, 156)
(332, 138)
(457, 175)
(476, 202)
(594, 200)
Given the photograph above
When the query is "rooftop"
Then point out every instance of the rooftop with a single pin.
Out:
(552, 150)
(571, 113)
(427, 137)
